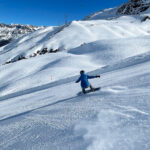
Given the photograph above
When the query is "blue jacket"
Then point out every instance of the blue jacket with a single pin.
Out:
(84, 80)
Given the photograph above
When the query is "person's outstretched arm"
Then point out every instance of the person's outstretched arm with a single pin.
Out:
(91, 77)
(78, 80)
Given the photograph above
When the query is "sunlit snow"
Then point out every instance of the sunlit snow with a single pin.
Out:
(40, 108)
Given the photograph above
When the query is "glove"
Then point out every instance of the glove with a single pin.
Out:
(97, 76)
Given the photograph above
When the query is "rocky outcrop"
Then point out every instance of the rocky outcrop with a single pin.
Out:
(38, 52)
(4, 42)
(134, 7)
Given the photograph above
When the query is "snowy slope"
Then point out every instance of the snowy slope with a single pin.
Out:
(99, 43)
(74, 35)
(116, 117)
(103, 14)
(51, 67)
(40, 108)
(52, 115)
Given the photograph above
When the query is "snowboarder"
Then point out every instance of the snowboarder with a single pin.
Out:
(84, 81)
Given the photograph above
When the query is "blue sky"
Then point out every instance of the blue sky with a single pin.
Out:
(50, 12)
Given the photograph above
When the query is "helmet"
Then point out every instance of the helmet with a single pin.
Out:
(82, 71)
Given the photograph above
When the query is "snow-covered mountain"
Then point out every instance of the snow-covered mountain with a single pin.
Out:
(64, 38)
(11, 32)
(141, 8)
(40, 104)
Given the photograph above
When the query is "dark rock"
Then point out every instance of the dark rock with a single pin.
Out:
(8, 62)
(145, 18)
(4, 42)
(43, 51)
(53, 51)
(21, 57)
(133, 7)
(38, 52)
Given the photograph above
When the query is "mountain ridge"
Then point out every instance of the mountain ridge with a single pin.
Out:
(11, 32)
(132, 7)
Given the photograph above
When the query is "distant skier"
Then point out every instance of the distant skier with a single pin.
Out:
(84, 81)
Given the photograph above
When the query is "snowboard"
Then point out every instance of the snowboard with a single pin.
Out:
(89, 91)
